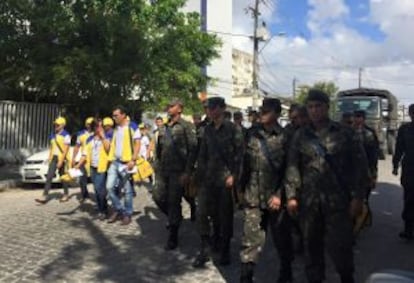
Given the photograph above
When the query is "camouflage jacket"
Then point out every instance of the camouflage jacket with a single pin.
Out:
(176, 148)
(260, 178)
(370, 143)
(220, 153)
(330, 165)
(404, 149)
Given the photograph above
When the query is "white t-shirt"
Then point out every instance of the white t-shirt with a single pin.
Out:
(145, 143)
(119, 136)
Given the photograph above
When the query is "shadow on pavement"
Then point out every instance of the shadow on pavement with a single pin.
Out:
(379, 246)
(126, 258)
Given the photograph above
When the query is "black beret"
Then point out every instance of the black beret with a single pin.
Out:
(317, 95)
(213, 102)
(271, 104)
(237, 115)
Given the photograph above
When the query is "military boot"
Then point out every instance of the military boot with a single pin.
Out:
(225, 257)
(203, 255)
(285, 274)
(172, 241)
(246, 273)
(408, 232)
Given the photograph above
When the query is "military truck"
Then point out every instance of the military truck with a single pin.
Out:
(381, 108)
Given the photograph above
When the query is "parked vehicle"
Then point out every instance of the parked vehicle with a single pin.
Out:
(394, 276)
(381, 111)
(34, 169)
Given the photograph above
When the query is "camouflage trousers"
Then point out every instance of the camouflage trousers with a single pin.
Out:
(215, 206)
(323, 225)
(256, 223)
(167, 195)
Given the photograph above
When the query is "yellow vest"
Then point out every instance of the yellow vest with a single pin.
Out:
(83, 137)
(103, 156)
(127, 147)
(57, 143)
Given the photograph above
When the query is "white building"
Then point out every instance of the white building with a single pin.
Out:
(217, 17)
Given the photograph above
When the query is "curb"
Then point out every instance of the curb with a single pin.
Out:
(8, 184)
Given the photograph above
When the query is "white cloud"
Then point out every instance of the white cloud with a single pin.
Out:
(335, 51)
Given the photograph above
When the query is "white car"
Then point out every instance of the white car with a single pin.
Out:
(34, 170)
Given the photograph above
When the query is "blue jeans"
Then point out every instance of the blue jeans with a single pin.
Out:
(120, 178)
(98, 180)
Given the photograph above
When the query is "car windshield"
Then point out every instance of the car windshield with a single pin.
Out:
(369, 105)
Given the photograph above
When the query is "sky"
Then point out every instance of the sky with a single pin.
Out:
(329, 40)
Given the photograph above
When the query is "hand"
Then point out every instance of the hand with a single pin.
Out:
(184, 180)
(292, 206)
(274, 203)
(101, 133)
(356, 207)
(60, 164)
(395, 171)
(229, 182)
(130, 165)
(73, 163)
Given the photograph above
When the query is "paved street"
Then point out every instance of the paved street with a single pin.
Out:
(64, 243)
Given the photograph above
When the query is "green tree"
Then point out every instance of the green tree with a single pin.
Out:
(328, 87)
(97, 53)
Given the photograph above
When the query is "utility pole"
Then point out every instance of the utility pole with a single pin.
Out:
(294, 88)
(255, 13)
(359, 77)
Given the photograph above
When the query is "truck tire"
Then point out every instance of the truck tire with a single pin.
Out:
(391, 143)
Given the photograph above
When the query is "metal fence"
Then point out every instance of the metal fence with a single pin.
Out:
(26, 125)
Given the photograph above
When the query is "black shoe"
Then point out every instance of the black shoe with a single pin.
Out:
(172, 242)
(246, 273)
(203, 256)
(201, 260)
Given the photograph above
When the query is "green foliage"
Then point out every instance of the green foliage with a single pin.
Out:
(328, 87)
(98, 53)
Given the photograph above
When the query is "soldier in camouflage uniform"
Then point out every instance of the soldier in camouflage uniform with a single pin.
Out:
(218, 166)
(238, 121)
(370, 143)
(176, 154)
(298, 117)
(404, 153)
(323, 175)
(263, 171)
